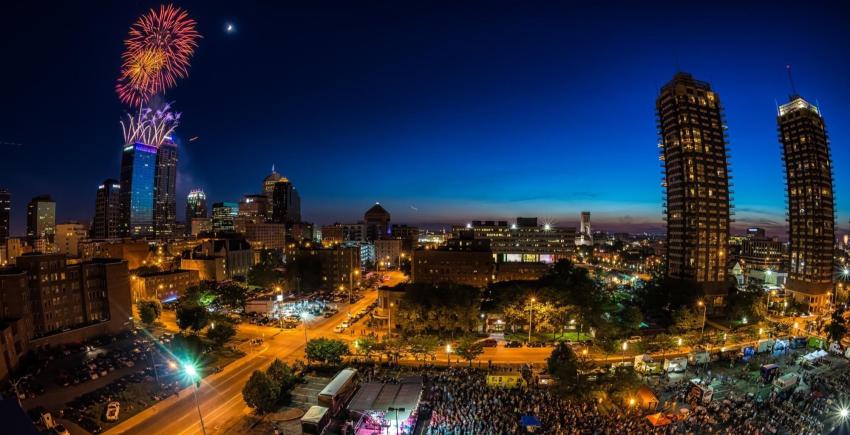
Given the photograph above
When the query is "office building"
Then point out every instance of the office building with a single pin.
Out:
(5, 212)
(199, 226)
(224, 216)
(286, 203)
(340, 266)
(165, 191)
(523, 241)
(68, 237)
(269, 182)
(196, 208)
(107, 211)
(409, 236)
(377, 221)
(165, 286)
(811, 205)
(255, 208)
(41, 218)
(135, 252)
(693, 148)
(388, 252)
(340, 233)
(136, 194)
(266, 235)
(206, 258)
(464, 260)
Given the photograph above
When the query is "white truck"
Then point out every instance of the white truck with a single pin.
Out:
(786, 383)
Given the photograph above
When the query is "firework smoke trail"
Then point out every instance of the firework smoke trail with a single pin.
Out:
(158, 50)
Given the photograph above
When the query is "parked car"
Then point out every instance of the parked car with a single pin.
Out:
(513, 343)
(489, 342)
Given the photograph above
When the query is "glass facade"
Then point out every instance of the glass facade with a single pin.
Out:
(138, 172)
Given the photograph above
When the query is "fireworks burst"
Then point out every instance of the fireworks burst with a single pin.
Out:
(157, 53)
(150, 127)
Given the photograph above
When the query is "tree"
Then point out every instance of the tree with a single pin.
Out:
(264, 276)
(326, 350)
(563, 365)
(442, 308)
(469, 348)
(284, 377)
(631, 317)
(366, 346)
(837, 327)
(187, 347)
(686, 319)
(191, 316)
(219, 332)
(422, 346)
(393, 348)
(230, 295)
(661, 297)
(750, 303)
(149, 311)
(261, 393)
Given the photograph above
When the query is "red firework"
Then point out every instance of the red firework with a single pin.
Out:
(169, 33)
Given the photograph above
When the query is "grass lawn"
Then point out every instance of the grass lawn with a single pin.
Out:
(543, 336)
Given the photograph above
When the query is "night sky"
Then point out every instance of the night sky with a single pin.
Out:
(442, 112)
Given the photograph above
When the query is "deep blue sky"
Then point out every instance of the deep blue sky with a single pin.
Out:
(442, 111)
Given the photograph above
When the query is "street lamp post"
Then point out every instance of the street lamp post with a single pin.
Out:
(390, 320)
(193, 376)
(304, 322)
(704, 309)
(448, 354)
(530, 312)
(625, 346)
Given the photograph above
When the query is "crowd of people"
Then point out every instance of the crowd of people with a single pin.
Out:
(462, 403)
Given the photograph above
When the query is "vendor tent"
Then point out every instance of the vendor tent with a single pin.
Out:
(646, 399)
(658, 419)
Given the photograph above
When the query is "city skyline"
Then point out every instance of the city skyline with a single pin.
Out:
(484, 135)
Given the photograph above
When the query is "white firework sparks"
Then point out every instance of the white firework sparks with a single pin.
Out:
(150, 127)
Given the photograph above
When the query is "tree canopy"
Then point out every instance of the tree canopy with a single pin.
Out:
(149, 311)
(441, 308)
(563, 365)
(261, 393)
(326, 350)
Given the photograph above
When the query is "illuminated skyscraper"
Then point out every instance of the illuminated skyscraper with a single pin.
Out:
(584, 236)
(224, 215)
(5, 211)
(693, 147)
(136, 197)
(811, 220)
(41, 218)
(107, 211)
(196, 205)
(286, 203)
(165, 190)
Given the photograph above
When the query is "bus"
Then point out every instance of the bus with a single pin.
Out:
(314, 420)
(337, 393)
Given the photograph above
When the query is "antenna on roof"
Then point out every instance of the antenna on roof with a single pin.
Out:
(791, 80)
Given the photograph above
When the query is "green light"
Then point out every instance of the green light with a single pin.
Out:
(190, 370)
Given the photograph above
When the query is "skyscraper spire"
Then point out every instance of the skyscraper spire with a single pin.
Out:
(791, 80)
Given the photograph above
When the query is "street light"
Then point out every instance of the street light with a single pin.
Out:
(304, 322)
(844, 412)
(390, 320)
(448, 354)
(530, 311)
(192, 373)
(625, 346)
(704, 310)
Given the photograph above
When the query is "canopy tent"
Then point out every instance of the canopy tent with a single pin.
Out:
(818, 354)
(646, 398)
(375, 400)
(529, 420)
(658, 419)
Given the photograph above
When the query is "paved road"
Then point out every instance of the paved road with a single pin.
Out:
(220, 395)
